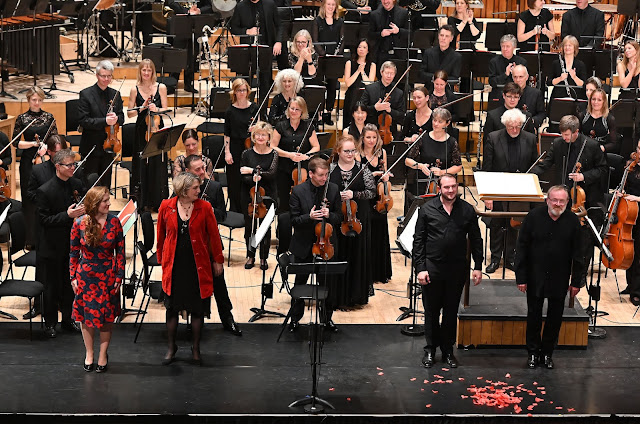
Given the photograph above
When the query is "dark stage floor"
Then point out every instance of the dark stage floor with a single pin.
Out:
(368, 370)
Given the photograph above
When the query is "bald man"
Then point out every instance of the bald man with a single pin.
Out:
(531, 99)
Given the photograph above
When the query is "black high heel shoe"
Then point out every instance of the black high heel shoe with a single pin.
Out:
(102, 368)
(195, 361)
(167, 361)
(88, 367)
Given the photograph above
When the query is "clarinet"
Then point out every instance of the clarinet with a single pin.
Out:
(479, 164)
(258, 27)
(206, 30)
(564, 70)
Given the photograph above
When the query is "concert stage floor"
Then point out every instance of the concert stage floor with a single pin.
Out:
(368, 371)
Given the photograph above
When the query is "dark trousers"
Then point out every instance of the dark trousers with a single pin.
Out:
(332, 87)
(284, 232)
(297, 305)
(57, 290)
(234, 186)
(546, 343)
(221, 295)
(497, 229)
(284, 184)
(443, 295)
(633, 273)
(96, 164)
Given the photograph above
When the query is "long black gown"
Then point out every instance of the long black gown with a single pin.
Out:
(353, 92)
(380, 253)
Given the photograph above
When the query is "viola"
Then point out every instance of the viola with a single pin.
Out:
(39, 158)
(351, 225)
(5, 189)
(152, 121)
(323, 230)
(617, 231)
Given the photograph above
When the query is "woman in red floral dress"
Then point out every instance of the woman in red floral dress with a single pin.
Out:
(96, 265)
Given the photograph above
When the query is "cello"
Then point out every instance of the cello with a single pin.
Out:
(617, 231)
(323, 230)
(384, 119)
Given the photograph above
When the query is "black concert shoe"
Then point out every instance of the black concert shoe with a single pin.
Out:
(250, 263)
(372, 292)
(293, 327)
(331, 326)
(326, 118)
(170, 359)
(450, 360)
(548, 362)
(232, 327)
(71, 326)
(264, 265)
(190, 89)
(492, 267)
(196, 361)
(635, 300)
(32, 313)
(102, 368)
(50, 331)
(88, 367)
(429, 358)
(625, 291)
(532, 362)
(511, 265)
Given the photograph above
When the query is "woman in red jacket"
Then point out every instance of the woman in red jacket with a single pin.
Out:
(190, 252)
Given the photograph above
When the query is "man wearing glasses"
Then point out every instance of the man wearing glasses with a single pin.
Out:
(511, 95)
(57, 208)
(93, 117)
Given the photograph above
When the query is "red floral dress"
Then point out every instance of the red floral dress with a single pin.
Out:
(97, 269)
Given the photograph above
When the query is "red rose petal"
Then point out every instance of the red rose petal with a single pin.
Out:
(428, 405)
(412, 379)
(507, 375)
(331, 389)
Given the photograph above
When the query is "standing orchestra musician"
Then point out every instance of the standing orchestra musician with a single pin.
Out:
(96, 269)
(531, 99)
(93, 117)
(149, 179)
(442, 57)
(357, 71)
(632, 190)
(507, 150)
(303, 57)
(547, 255)
(356, 285)
(419, 120)
(259, 18)
(293, 146)
(236, 130)
(371, 153)
(259, 165)
(308, 210)
(537, 21)
(389, 31)
(574, 75)
(190, 142)
(596, 122)
(190, 253)
(40, 121)
(359, 115)
(501, 66)
(58, 207)
(468, 30)
(212, 192)
(439, 259)
(585, 23)
(375, 94)
(288, 84)
(328, 28)
(629, 68)
(511, 95)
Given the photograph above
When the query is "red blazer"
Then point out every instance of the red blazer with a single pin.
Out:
(205, 241)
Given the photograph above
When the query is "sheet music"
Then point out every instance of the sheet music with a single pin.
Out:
(505, 184)
(264, 227)
(406, 238)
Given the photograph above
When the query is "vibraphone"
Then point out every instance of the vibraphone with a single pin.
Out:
(32, 43)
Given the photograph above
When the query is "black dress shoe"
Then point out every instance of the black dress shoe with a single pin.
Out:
(331, 326)
(626, 291)
(191, 89)
(71, 326)
(33, 312)
(548, 362)
(293, 327)
(492, 267)
(88, 367)
(450, 360)
(532, 362)
(232, 327)
(50, 331)
(326, 118)
(170, 359)
(428, 359)
(635, 300)
(264, 265)
(511, 265)
(249, 264)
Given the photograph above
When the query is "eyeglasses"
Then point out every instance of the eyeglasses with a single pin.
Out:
(241, 90)
(301, 42)
(512, 97)
(513, 127)
(295, 109)
(68, 165)
(109, 76)
(350, 152)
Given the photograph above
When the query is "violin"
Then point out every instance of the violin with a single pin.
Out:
(112, 142)
(617, 231)
(39, 158)
(432, 183)
(5, 189)
(299, 174)
(385, 202)
(384, 119)
(257, 208)
(323, 230)
(578, 197)
(153, 122)
(351, 225)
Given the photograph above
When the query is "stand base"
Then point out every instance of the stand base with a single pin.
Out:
(406, 313)
(8, 315)
(259, 312)
(412, 330)
(5, 94)
(313, 404)
(590, 311)
(597, 333)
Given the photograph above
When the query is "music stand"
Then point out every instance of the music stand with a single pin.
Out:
(301, 23)
(313, 403)
(242, 60)
(167, 60)
(351, 32)
(424, 38)
(128, 218)
(495, 31)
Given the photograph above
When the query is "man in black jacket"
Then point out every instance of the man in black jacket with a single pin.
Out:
(57, 209)
(531, 99)
(93, 117)
(211, 191)
(501, 66)
(307, 210)
(259, 18)
(548, 254)
(441, 57)
(582, 22)
(389, 32)
(511, 95)
(375, 93)
(439, 258)
(507, 150)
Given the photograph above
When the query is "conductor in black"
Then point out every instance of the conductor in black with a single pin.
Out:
(439, 258)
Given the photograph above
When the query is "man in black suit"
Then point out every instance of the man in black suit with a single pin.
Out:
(582, 22)
(93, 117)
(389, 32)
(307, 210)
(501, 66)
(211, 191)
(510, 96)
(507, 150)
(531, 99)
(57, 210)
(375, 93)
(547, 255)
(259, 18)
(441, 57)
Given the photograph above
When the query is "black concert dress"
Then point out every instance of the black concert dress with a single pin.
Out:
(560, 90)
(633, 273)
(428, 151)
(602, 130)
(289, 141)
(530, 21)
(278, 109)
(466, 39)
(353, 93)
(410, 126)
(380, 255)
(631, 92)
(324, 33)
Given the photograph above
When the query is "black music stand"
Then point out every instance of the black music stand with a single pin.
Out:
(3, 73)
(301, 23)
(629, 8)
(495, 31)
(242, 60)
(424, 38)
(313, 403)
(352, 31)
(167, 60)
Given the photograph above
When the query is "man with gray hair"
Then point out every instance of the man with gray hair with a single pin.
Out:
(375, 93)
(507, 150)
(93, 117)
(501, 66)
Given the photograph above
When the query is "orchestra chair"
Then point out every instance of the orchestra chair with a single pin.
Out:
(234, 220)
(149, 238)
(21, 288)
(212, 146)
(72, 122)
(616, 169)
(128, 135)
(219, 103)
(16, 245)
(559, 107)
(150, 289)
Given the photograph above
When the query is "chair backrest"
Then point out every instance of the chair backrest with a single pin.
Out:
(212, 146)
(71, 109)
(128, 136)
(146, 273)
(17, 230)
(148, 233)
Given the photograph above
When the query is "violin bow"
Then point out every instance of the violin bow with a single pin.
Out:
(403, 154)
(84, 160)
(388, 95)
(99, 178)
(254, 218)
(261, 104)
(115, 95)
(306, 133)
(17, 137)
(536, 161)
(484, 90)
